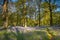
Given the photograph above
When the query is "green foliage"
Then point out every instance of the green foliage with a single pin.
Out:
(28, 13)
(34, 35)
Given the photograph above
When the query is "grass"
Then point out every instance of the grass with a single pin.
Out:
(35, 35)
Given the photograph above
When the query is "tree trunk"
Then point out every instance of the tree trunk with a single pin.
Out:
(24, 12)
(51, 22)
(39, 5)
(5, 13)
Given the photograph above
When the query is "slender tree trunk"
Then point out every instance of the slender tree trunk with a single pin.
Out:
(24, 13)
(51, 22)
(39, 5)
(5, 13)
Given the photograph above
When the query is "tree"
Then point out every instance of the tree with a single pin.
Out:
(39, 10)
(46, 12)
(5, 13)
(51, 22)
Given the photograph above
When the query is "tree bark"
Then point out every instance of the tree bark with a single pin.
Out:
(5, 13)
(51, 22)
(39, 5)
